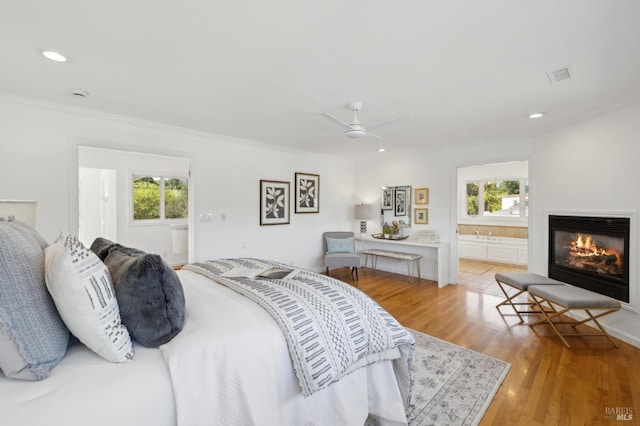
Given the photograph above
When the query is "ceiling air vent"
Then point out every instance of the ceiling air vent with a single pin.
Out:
(560, 74)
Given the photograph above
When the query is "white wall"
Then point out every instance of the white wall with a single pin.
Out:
(98, 207)
(591, 165)
(150, 237)
(436, 171)
(418, 169)
(37, 144)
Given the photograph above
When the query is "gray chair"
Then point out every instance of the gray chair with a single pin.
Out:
(340, 251)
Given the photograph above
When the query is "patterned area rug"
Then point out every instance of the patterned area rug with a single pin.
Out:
(453, 385)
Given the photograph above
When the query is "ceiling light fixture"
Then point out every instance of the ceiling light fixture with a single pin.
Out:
(381, 150)
(53, 56)
(536, 115)
(355, 132)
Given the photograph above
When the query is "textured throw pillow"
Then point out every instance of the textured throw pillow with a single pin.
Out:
(101, 246)
(41, 241)
(81, 287)
(341, 245)
(33, 338)
(149, 293)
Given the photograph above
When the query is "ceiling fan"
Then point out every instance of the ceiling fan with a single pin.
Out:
(355, 130)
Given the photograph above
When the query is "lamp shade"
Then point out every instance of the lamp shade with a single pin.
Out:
(363, 212)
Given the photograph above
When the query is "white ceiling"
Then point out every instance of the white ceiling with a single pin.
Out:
(467, 71)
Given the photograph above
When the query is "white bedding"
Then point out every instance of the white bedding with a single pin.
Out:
(84, 389)
(244, 375)
(249, 378)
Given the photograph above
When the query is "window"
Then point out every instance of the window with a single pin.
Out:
(498, 199)
(156, 198)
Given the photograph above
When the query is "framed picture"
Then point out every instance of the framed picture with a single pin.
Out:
(387, 199)
(400, 202)
(307, 193)
(421, 216)
(274, 202)
(422, 196)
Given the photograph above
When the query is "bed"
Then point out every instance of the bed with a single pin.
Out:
(231, 364)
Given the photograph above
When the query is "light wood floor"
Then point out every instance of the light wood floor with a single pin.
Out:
(548, 384)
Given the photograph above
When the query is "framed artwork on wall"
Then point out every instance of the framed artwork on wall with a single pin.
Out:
(422, 196)
(387, 199)
(421, 216)
(274, 202)
(400, 202)
(307, 193)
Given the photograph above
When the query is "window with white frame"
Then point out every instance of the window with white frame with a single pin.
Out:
(159, 198)
(497, 199)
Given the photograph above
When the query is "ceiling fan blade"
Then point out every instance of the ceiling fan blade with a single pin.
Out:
(381, 123)
(375, 136)
(327, 135)
(340, 122)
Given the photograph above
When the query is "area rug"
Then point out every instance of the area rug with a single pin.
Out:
(453, 385)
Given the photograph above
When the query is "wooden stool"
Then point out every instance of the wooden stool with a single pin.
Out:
(571, 298)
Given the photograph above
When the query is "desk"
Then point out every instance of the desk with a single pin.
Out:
(435, 257)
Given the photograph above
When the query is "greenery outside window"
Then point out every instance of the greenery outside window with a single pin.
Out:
(498, 199)
(158, 198)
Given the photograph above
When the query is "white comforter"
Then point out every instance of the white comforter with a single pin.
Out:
(86, 390)
(230, 366)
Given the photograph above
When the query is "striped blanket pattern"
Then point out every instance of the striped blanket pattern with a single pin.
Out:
(331, 328)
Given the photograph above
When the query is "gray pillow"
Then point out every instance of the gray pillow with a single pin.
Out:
(33, 338)
(41, 241)
(101, 246)
(149, 294)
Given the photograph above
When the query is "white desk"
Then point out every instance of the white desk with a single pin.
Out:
(435, 257)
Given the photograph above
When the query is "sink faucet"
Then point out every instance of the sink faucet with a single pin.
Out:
(489, 236)
(477, 235)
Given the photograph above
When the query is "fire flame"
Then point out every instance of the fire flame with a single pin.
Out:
(585, 246)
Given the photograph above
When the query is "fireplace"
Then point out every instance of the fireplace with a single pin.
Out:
(591, 252)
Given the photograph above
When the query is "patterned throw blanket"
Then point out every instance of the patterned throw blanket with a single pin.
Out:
(330, 327)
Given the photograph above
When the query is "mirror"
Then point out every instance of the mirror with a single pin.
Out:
(396, 205)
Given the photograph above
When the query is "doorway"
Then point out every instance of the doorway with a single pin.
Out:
(115, 186)
(492, 222)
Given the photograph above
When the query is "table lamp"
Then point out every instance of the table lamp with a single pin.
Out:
(363, 212)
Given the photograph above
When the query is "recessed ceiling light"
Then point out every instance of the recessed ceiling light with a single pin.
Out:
(53, 56)
(381, 150)
(536, 115)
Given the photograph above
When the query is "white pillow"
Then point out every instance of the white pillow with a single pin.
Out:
(83, 292)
